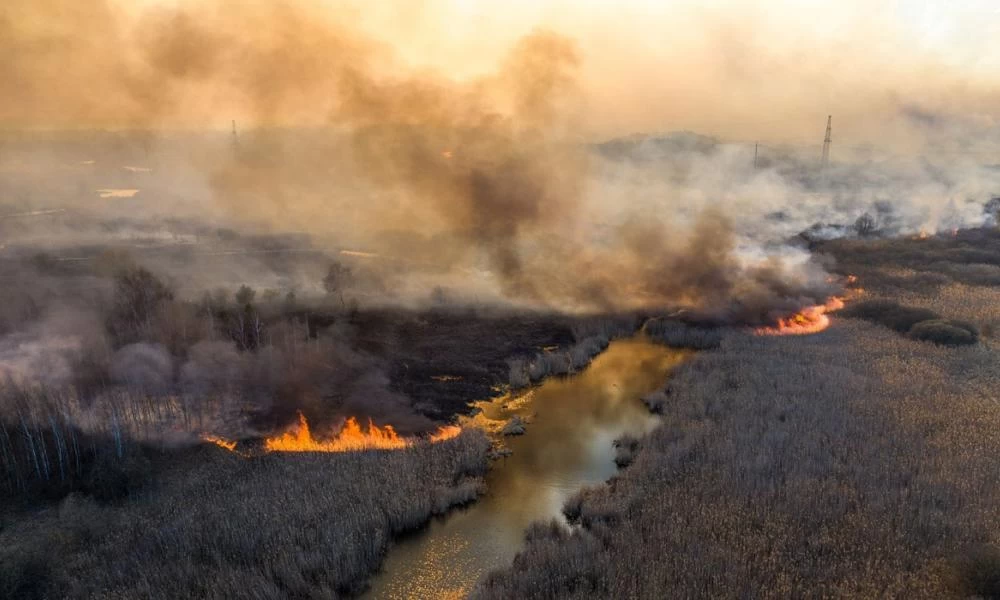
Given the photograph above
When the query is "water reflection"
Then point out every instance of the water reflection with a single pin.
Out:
(572, 424)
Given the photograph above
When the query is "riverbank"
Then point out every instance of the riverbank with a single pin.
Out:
(213, 524)
(794, 466)
(572, 423)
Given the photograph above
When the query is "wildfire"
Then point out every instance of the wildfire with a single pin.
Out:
(222, 443)
(445, 433)
(811, 319)
(352, 437)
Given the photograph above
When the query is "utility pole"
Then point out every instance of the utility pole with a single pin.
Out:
(755, 155)
(826, 142)
(236, 138)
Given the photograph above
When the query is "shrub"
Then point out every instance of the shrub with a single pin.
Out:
(584, 351)
(518, 373)
(626, 448)
(515, 426)
(944, 332)
(889, 314)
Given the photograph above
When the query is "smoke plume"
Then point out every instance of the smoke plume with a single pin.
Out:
(476, 170)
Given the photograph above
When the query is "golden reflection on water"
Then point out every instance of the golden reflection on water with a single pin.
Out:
(572, 423)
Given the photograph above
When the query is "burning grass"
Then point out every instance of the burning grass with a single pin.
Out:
(811, 319)
(215, 525)
(352, 437)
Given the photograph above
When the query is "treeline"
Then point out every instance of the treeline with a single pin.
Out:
(132, 364)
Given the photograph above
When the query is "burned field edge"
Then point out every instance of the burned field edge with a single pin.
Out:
(213, 524)
(436, 357)
(74, 492)
(858, 462)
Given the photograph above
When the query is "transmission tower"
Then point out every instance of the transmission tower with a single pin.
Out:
(826, 141)
(755, 155)
(236, 137)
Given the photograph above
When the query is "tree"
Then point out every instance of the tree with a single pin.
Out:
(337, 278)
(139, 296)
(245, 295)
(865, 225)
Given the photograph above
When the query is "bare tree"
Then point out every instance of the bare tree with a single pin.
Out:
(245, 295)
(865, 225)
(337, 278)
(139, 296)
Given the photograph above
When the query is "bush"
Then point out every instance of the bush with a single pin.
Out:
(518, 373)
(584, 351)
(626, 448)
(515, 426)
(889, 314)
(945, 332)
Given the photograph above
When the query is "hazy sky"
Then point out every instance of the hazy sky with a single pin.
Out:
(769, 70)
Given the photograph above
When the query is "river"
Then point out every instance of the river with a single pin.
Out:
(572, 424)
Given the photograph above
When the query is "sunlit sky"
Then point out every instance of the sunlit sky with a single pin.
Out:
(467, 34)
(752, 70)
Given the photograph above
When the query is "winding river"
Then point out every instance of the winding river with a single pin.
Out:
(572, 423)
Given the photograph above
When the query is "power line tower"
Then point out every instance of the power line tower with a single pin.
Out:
(236, 137)
(826, 142)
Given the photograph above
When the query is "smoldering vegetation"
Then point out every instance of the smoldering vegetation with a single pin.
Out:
(796, 466)
(216, 525)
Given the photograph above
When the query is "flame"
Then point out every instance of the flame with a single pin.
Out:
(811, 319)
(220, 442)
(445, 433)
(352, 437)
(447, 154)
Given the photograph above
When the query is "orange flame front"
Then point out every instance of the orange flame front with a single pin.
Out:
(811, 319)
(445, 433)
(222, 443)
(352, 437)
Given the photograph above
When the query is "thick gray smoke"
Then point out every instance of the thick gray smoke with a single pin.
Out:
(480, 185)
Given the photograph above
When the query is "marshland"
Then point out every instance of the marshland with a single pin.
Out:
(550, 300)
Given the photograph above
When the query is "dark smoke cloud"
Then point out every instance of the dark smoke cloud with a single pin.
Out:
(482, 181)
